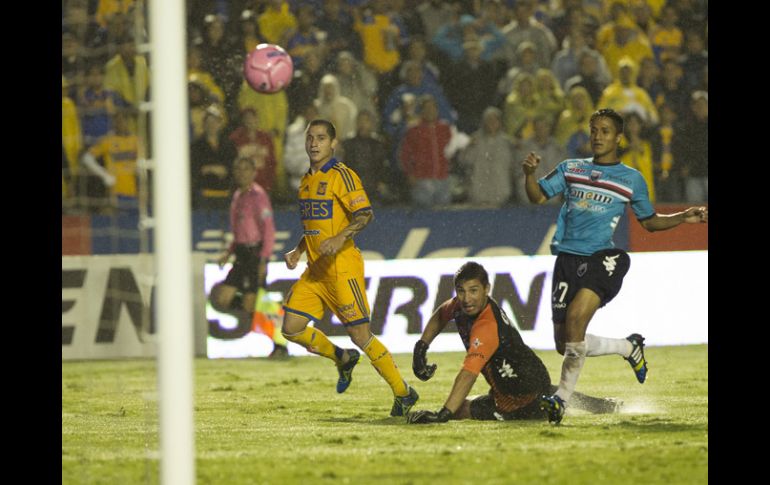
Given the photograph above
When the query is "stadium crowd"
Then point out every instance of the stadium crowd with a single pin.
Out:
(435, 102)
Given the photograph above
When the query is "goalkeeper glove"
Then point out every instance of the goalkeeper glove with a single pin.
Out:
(420, 366)
(426, 417)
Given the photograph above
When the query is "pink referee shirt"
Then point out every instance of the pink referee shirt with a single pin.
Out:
(251, 219)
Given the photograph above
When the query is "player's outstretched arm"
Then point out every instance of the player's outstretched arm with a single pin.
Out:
(534, 193)
(662, 222)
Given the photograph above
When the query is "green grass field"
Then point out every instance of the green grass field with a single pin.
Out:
(261, 421)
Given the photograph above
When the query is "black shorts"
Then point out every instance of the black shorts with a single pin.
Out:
(483, 409)
(244, 274)
(601, 272)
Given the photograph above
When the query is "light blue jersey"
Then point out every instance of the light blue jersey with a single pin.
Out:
(595, 199)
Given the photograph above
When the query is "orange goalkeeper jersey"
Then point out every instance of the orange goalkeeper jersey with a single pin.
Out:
(327, 201)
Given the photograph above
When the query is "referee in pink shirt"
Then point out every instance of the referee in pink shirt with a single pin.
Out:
(251, 220)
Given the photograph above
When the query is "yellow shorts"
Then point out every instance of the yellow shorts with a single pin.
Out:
(345, 297)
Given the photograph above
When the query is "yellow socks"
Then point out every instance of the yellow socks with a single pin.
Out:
(315, 341)
(386, 366)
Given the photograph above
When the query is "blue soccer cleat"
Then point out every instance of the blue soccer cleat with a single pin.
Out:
(554, 408)
(636, 359)
(346, 371)
(402, 404)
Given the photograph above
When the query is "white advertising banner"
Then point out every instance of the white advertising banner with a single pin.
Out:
(664, 297)
(108, 307)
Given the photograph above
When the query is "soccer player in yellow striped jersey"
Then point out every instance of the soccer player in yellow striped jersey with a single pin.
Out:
(119, 149)
(334, 208)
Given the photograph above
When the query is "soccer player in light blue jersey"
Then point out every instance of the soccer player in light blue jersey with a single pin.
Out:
(589, 270)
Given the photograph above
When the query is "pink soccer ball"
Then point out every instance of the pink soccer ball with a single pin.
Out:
(268, 68)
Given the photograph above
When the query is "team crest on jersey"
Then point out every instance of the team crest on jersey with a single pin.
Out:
(595, 174)
(321, 188)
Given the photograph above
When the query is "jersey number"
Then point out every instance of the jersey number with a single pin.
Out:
(563, 288)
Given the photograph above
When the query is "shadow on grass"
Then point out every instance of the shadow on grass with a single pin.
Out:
(658, 425)
(366, 419)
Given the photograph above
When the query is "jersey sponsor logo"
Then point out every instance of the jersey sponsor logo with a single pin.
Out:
(505, 370)
(477, 343)
(312, 209)
(576, 170)
(588, 206)
(590, 195)
(321, 188)
(609, 263)
(576, 166)
(476, 354)
(311, 232)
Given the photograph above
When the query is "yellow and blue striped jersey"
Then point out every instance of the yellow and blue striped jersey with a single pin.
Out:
(120, 154)
(327, 201)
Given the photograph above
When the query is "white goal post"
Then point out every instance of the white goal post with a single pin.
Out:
(173, 246)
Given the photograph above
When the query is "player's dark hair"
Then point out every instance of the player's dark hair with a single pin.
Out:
(470, 271)
(612, 115)
(330, 129)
